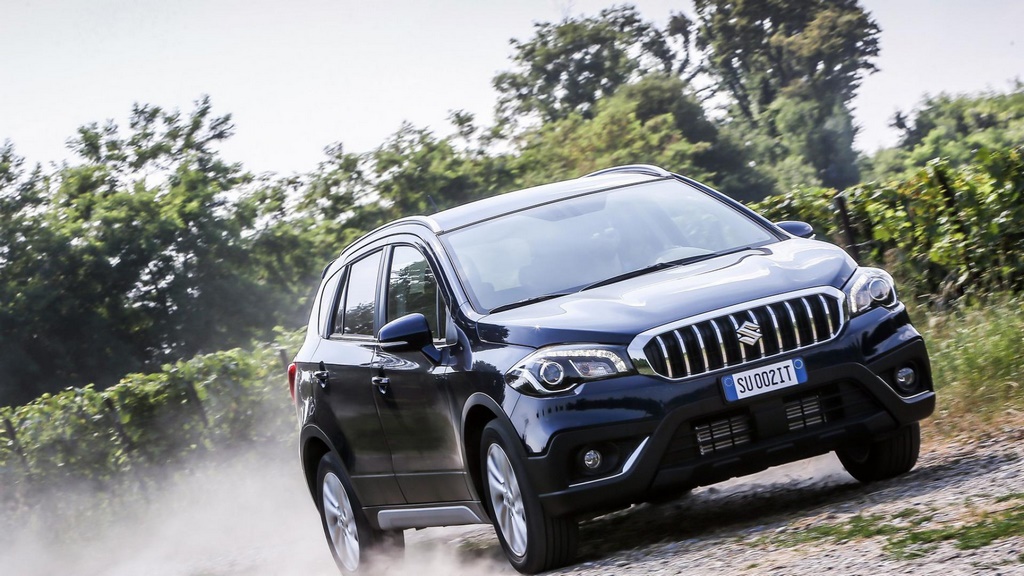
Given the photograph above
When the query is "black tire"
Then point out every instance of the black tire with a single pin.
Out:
(885, 458)
(547, 542)
(353, 542)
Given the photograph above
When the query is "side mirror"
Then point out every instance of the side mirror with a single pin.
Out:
(408, 333)
(796, 228)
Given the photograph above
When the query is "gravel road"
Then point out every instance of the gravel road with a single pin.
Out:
(254, 518)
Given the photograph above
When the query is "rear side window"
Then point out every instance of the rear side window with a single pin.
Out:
(412, 287)
(360, 298)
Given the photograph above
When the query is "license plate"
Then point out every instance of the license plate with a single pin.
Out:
(764, 379)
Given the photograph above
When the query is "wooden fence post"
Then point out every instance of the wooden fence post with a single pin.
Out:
(13, 435)
(115, 421)
(193, 397)
(844, 220)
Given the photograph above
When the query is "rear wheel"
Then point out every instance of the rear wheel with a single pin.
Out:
(352, 540)
(885, 458)
(532, 540)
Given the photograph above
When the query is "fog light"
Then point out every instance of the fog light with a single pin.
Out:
(592, 459)
(906, 379)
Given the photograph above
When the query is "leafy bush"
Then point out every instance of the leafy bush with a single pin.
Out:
(118, 437)
(945, 232)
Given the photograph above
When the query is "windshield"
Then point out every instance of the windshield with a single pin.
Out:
(570, 244)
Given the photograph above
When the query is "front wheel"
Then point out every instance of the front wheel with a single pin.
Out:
(532, 540)
(351, 538)
(885, 458)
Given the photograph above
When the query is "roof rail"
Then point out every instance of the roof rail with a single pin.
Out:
(633, 169)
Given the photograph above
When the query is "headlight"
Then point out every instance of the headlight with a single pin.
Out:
(870, 287)
(560, 368)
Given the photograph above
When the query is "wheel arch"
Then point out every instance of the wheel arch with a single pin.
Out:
(479, 410)
(315, 445)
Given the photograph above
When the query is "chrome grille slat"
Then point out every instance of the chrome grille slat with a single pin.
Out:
(788, 322)
(810, 317)
(721, 343)
(703, 350)
(664, 354)
(796, 326)
(775, 327)
(682, 347)
(828, 315)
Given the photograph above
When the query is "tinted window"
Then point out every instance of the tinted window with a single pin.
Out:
(360, 296)
(412, 287)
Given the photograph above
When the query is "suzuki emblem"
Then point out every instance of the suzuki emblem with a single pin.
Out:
(749, 333)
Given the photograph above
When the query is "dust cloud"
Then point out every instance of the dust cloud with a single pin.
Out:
(247, 515)
(250, 514)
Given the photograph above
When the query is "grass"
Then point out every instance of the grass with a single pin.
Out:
(976, 362)
(906, 535)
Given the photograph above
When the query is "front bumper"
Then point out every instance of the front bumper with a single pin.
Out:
(658, 435)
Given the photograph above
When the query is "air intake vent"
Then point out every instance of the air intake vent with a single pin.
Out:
(805, 412)
(718, 435)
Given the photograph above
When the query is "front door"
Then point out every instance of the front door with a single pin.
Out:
(412, 398)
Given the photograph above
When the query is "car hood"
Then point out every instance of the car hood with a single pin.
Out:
(616, 313)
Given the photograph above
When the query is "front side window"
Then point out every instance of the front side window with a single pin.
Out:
(360, 297)
(412, 287)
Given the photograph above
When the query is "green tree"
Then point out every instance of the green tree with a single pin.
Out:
(954, 127)
(567, 66)
(137, 256)
(790, 68)
(655, 121)
(413, 172)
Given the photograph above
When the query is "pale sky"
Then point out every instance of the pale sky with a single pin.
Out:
(300, 75)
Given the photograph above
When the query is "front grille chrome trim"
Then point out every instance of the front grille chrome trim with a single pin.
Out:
(671, 366)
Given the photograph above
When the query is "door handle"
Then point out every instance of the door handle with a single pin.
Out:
(322, 375)
(381, 382)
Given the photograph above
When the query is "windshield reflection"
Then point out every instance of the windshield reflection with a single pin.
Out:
(577, 242)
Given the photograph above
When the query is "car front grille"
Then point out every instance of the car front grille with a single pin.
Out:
(735, 337)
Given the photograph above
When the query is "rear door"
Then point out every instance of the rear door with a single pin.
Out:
(348, 356)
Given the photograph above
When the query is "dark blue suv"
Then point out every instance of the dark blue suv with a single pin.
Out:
(558, 352)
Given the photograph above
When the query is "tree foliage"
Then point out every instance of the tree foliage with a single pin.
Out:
(136, 256)
(946, 231)
(954, 128)
(567, 66)
(655, 121)
(790, 68)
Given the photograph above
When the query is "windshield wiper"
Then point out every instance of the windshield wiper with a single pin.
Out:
(525, 301)
(638, 272)
(662, 265)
